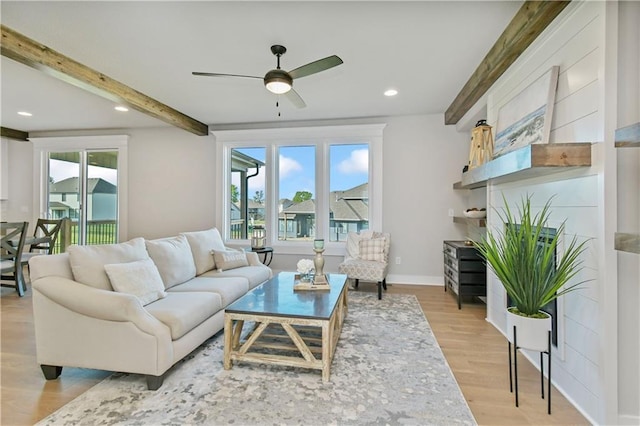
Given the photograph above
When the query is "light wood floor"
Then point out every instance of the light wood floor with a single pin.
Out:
(475, 351)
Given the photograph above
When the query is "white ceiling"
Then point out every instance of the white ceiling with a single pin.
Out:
(426, 50)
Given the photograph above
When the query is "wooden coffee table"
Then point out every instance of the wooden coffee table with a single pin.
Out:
(291, 328)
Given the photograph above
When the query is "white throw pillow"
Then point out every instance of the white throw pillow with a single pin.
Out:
(201, 243)
(173, 259)
(372, 249)
(230, 259)
(140, 278)
(353, 245)
(87, 262)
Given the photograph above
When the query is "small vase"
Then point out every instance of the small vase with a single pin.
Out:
(531, 333)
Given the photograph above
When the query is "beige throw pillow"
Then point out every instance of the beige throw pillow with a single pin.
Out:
(230, 259)
(173, 259)
(140, 278)
(372, 249)
(201, 243)
(87, 262)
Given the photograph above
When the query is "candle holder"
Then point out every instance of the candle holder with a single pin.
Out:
(318, 262)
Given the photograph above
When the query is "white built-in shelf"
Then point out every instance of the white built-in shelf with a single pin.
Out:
(628, 137)
(529, 161)
(480, 223)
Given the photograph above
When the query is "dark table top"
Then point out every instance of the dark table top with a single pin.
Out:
(276, 297)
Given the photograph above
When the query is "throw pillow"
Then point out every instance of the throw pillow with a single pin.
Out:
(173, 259)
(229, 259)
(372, 249)
(353, 245)
(140, 278)
(87, 262)
(201, 243)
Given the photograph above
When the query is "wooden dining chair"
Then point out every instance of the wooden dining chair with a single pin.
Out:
(11, 246)
(44, 239)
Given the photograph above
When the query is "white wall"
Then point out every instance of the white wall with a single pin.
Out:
(586, 368)
(628, 161)
(18, 205)
(172, 176)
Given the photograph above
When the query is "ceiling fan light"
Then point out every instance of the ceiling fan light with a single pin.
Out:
(278, 82)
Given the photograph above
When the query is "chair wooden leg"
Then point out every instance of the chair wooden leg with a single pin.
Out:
(379, 290)
(384, 283)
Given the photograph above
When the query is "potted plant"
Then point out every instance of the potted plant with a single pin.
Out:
(531, 273)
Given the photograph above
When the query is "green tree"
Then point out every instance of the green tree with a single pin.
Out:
(302, 196)
(259, 197)
(234, 194)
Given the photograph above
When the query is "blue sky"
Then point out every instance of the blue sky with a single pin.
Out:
(349, 168)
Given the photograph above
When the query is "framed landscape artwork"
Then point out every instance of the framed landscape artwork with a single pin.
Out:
(526, 119)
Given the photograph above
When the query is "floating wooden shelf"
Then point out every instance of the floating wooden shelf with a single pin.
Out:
(481, 223)
(627, 242)
(526, 162)
(628, 137)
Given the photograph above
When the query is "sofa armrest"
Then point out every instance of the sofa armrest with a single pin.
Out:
(99, 304)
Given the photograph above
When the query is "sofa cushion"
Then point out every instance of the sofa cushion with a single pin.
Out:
(372, 249)
(254, 274)
(173, 258)
(201, 243)
(229, 288)
(230, 259)
(184, 311)
(87, 262)
(140, 278)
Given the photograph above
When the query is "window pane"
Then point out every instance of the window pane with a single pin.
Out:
(349, 186)
(247, 194)
(102, 197)
(296, 186)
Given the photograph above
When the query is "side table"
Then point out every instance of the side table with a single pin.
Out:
(267, 253)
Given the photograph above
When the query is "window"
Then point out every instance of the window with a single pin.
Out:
(84, 179)
(300, 184)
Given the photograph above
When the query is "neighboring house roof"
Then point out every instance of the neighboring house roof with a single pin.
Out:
(350, 210)
(350, 205)
(360, 192)
(95, 186)
(255, 205)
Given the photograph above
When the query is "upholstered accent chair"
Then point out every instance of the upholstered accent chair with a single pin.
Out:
(367, 258)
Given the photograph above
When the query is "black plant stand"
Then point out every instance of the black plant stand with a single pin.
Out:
(515, 368)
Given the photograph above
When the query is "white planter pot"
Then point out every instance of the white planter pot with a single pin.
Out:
(531, 333)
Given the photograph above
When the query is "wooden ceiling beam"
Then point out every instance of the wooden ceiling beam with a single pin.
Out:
(35, 55)
(532, 18)
(18, 135)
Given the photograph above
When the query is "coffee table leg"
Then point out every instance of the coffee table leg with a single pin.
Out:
(326, 351)
(228, 338)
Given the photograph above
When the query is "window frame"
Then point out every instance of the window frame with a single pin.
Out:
(322, 137)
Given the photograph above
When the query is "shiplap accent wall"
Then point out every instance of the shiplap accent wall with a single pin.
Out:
(575, 42)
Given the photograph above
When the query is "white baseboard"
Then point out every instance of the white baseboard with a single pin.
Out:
(627, 419)
(415, 279)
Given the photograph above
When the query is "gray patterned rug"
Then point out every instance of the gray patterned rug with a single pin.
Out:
(388, 370)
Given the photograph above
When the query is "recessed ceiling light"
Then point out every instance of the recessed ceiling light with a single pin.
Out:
(25, 113)
(391, 92)
(121, 108)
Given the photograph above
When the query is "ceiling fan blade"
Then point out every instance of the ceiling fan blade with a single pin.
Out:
(295, 99)
(215, 74)
(315, 67)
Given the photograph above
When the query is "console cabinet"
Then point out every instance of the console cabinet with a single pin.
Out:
(465, 273)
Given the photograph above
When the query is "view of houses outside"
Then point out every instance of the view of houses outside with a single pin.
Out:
(101, 206)
(348, 181)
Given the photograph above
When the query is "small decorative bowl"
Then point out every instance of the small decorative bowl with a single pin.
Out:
(475, 214)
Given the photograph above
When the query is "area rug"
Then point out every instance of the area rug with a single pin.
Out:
(388, 369)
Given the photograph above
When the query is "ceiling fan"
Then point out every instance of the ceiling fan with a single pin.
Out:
(279, 81)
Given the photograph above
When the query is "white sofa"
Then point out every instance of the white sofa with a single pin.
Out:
(136, 307)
